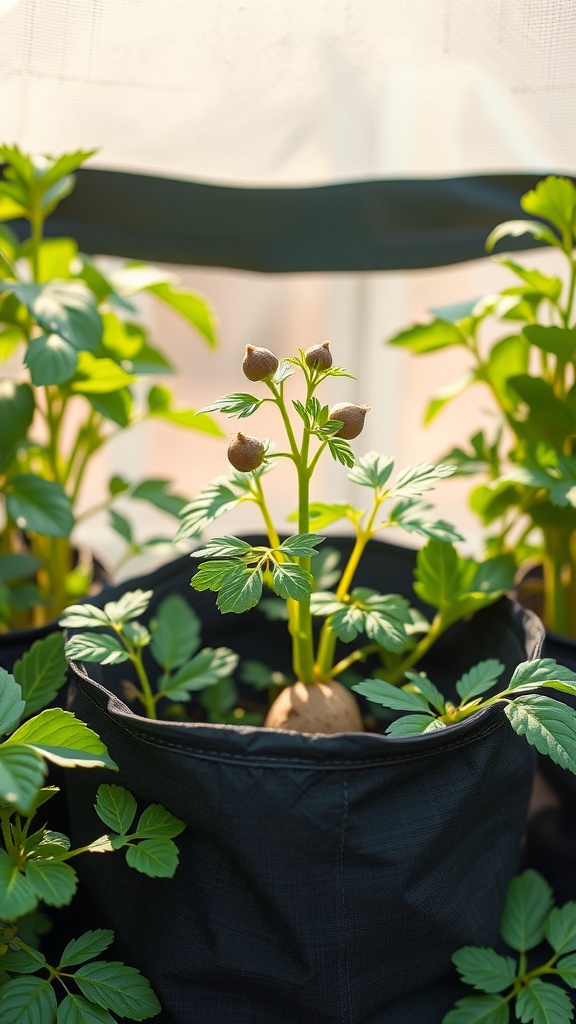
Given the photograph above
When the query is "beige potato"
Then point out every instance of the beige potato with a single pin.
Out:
(321, 707)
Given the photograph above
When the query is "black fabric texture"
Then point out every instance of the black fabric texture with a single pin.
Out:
(396, 224)
(321, 878)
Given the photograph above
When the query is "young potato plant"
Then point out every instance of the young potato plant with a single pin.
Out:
(384, 626)
(526, 496)
(76, 351)
(522, 987)
(173, 637)
(35, 867)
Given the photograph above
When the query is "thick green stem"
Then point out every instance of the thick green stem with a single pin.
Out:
(559, 581)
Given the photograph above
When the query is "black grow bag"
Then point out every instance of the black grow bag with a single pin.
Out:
(323, 879)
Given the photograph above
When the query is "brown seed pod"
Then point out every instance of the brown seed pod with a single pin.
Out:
(319, 357)
(245, 453)
(259, 363)
(320, 708)
(352, 417)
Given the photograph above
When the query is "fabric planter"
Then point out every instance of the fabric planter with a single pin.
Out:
(324, 878)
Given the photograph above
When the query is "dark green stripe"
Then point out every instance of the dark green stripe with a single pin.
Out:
(368, 225)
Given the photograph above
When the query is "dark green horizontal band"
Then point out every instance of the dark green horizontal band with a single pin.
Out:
(367, 225)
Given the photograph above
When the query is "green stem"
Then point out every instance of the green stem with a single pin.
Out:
(437, 627)
(358, 655)
(559, 581)
(147, 697)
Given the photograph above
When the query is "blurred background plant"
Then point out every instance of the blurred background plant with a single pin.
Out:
(526, 499)
(76, 353)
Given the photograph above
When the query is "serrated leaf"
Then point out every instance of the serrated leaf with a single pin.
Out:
(157, 823)
(76, 1009)
(428, 690)
(100, 648)
(11, 704)
(28, 1001)
(78, 616)
(417, 480)
(157, 858)
(224, 547)
(22, 961)
(323, 514)
(211, 575)
(290, 580)
(283, 372)
(560, 929)
(418, 517)
(409, 725)
(41, 672)
(485, 969)
(554, 199)
(218, 497)
(22, 773)
(528, 903)
(175, 632)
(130, 606)
(52, 881)
(17, 897)
(566, 967)
(116, 807)
(61, 738)
(429, 337)
(87, 946)
(539, 1002)
(340, 451)
(488, 1009)
(240, 590)
(302, 545)
(548, 725)
(536, 673)
(238, 404)
(394, 697)
(479, 678)
(118, 988)
(372, 470)
(206, 669)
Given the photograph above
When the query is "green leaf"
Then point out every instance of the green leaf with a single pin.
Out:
(61, 738)
(429, 337)
(409, 725)
(240, 590)
(394, 697)
(206, 669)
(115, 406)
(540, 1002)
(508, 358)
(548, 725)
(224, 547)
(418, 517)
(121, 526)
(157, 493)
(553, 199)
(161, 405)
(66, 308)
(118, 988)
(131, 605)
(220, 496)
(194, 308)
(323, 515)
(290, 580)
(157, 823)
(11, 703)
(41, 672)
(17, 896)
(157, 858)
(238, 404)
(426, 687)
(528, 903)
(566, 967)
(22, 772)
(437, 574)
(96, 647)
(479, 678)
(340, 451)
(39, 505)
(77, 616)
(560, 928)
(28, 1001)
(87, 946)
(540, 672)
(76, 1010)
(485, 969)
(16, 412)
(116, 807)
(302, 545)
(549, 287)
(52, 881)
(516, 228)
(417, 480)
(447, 394)
(175, 632)
(372, 470)
(479, 1010)
(50, 359)
(560, 341)
(22, 961)
(97, 376)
